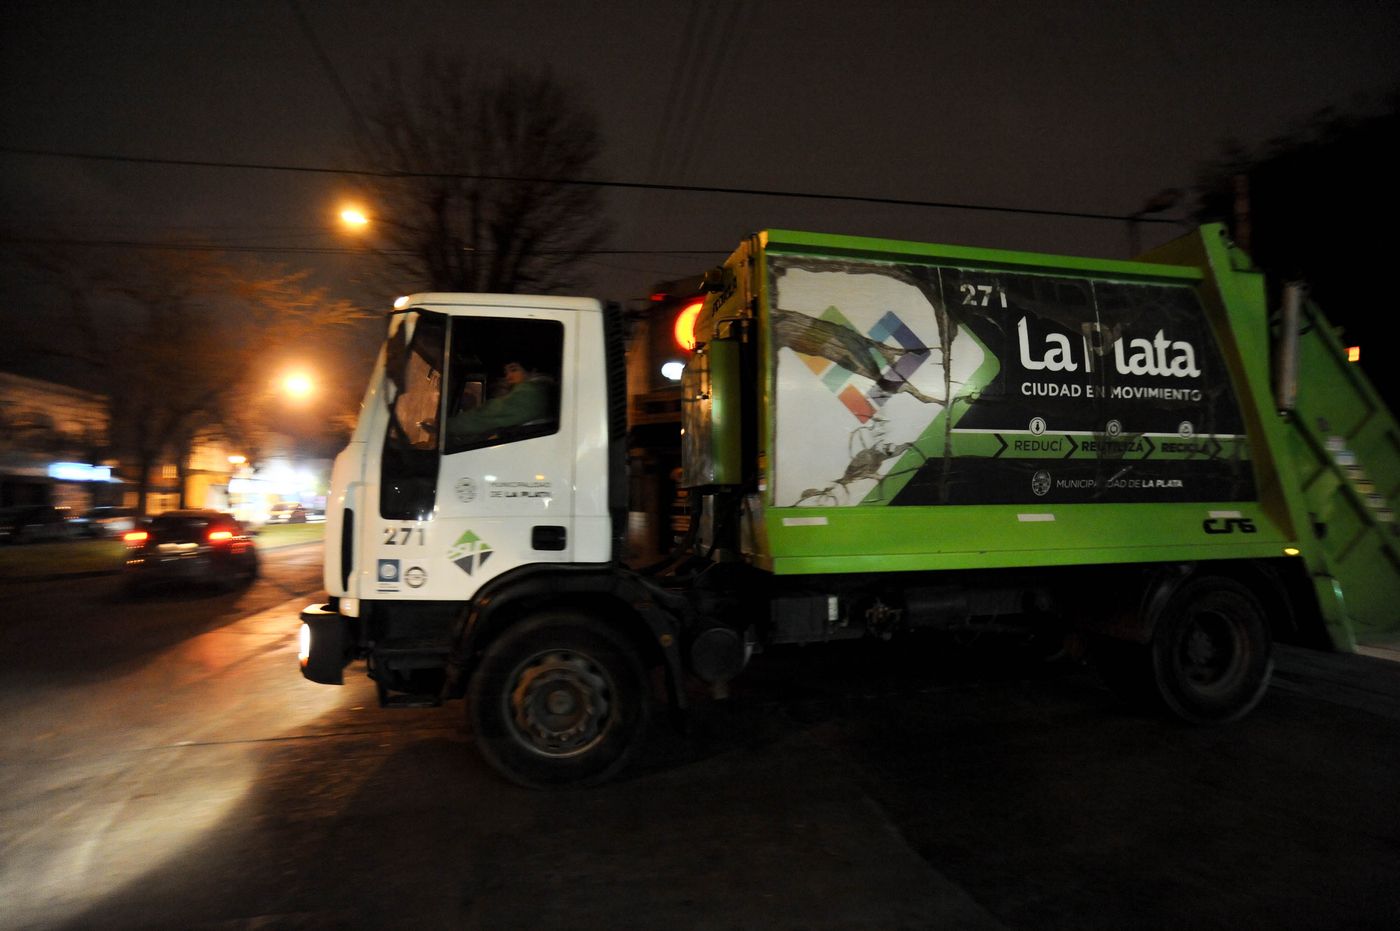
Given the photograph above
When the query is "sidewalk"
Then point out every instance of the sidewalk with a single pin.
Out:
(1386, 648)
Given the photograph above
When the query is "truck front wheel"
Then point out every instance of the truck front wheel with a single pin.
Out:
(559, 699)
(1211, 651)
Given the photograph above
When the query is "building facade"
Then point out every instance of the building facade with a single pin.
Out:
(55, 449)
(53, 442)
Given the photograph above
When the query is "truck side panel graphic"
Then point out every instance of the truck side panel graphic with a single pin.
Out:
(922, 385)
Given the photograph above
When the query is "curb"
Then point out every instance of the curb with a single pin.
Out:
(59, 576)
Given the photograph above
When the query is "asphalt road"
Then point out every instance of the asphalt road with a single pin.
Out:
(164, 766)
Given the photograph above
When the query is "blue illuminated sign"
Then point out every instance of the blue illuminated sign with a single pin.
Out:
(79, 472)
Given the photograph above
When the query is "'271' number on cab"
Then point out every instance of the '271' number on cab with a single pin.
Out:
(403, 536)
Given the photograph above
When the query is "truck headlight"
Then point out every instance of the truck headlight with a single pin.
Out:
(321, 648)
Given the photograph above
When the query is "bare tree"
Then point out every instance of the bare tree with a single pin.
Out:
(481, 200)
(181, 344)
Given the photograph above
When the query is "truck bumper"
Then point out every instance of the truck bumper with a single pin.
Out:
(322, 648)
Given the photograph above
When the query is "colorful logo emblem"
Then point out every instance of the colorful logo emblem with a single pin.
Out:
(469, 553)
(865, 404)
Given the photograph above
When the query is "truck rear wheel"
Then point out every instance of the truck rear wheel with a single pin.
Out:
(558, 699)
(1211, 651)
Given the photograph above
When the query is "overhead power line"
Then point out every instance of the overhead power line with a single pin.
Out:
(585, 182)
(327, 65)
(681, 74)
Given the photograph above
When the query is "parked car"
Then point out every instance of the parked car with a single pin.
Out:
(201, 546)
(108, 521)
(287, 512)
(32, 523)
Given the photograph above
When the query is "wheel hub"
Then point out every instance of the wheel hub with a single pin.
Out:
(1211, 650)
(560, 704)
(1201, 649)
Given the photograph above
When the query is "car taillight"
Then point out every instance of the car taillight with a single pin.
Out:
(219, 536)
(132, 537)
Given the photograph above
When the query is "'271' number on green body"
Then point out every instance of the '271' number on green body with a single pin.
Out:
(980, 295)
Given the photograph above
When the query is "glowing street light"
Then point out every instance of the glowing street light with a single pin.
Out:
(354, 218)
(298, 386)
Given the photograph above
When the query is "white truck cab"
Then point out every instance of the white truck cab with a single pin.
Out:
(483, 461)
(440, 504)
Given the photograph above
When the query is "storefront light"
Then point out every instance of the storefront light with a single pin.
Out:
(79, 472)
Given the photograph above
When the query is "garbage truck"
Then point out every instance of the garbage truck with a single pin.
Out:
(877, 438)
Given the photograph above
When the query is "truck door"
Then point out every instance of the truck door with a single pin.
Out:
(505, 489)
(476, 469)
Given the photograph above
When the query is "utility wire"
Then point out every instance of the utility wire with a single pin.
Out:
(690, 110)
(725, 43)
(652, 204)
(693, 124)
(298, 14)
(586, 182)
(329, 67)
(681, 74)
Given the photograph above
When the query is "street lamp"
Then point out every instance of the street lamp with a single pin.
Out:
(298, 386)
(354, 218)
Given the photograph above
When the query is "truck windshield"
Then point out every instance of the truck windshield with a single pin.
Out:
(410, 460)
(420, 388)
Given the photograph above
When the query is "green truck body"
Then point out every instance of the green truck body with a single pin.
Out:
(929, 407)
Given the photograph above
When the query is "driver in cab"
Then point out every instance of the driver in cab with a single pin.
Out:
(526, 400)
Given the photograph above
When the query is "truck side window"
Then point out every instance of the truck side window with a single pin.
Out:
(503, 381)
(410, 461)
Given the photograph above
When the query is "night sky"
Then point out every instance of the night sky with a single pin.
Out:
(1065, 106)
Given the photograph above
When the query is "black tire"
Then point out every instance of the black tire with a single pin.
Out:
(250, 572)
(559, 699)
(236, 579)
(1212, 654)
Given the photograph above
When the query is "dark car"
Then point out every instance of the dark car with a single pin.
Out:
(201, 546)
(34, 522)
(287, 512)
